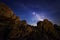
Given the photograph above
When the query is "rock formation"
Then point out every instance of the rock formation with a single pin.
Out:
(12, 28)
(47, 27)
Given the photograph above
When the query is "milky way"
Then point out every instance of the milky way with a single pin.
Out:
(35, 10)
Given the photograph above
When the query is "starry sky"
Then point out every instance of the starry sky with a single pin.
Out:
(35, 10)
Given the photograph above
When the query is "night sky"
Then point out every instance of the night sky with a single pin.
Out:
(35, 10)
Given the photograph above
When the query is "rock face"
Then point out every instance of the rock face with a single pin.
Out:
(9, 22)
(48, 28)
(12, 28)
(5, 11)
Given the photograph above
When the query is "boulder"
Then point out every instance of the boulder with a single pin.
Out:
(5, 11)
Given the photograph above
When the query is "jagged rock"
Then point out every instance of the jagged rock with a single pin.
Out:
(12, 28)
(40, 25)
(29, 28)
(9, 22)
(13, 17)
(24, 22)
(5, 11)
(48, 26)
(45, 25)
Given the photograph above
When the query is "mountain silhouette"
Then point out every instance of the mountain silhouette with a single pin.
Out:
(12, 28)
